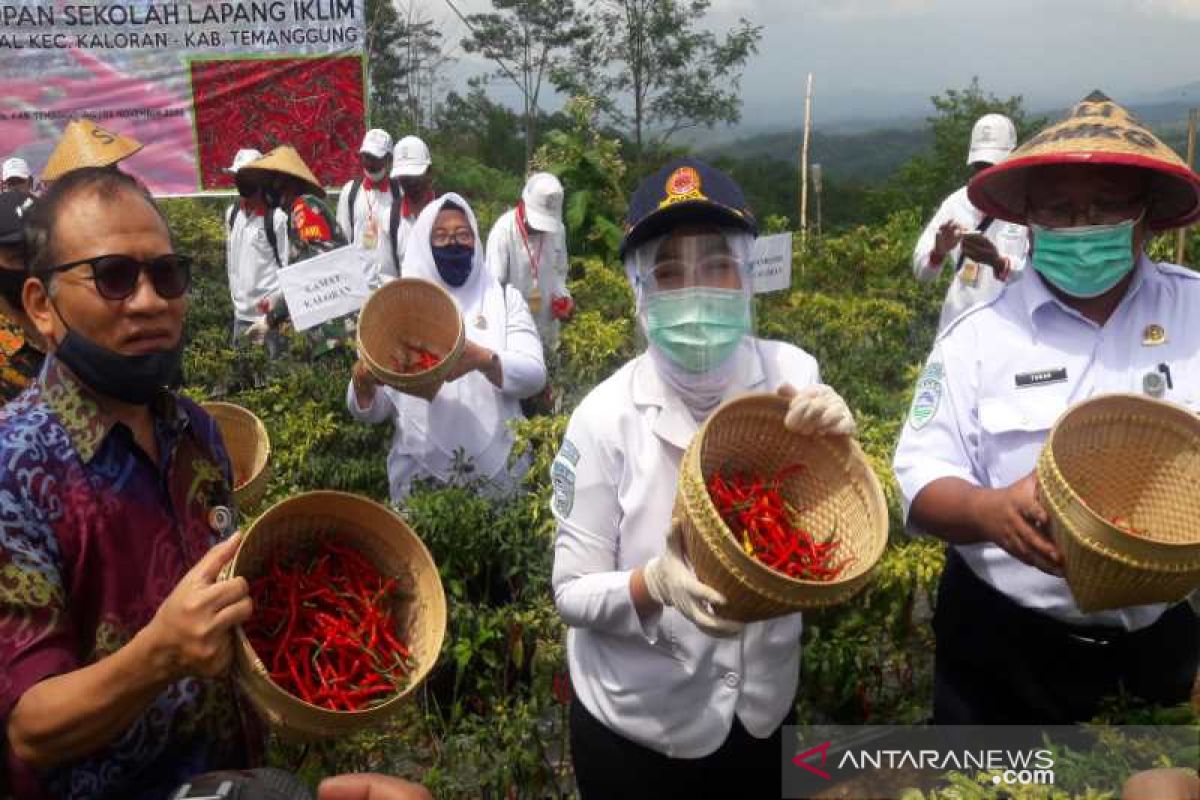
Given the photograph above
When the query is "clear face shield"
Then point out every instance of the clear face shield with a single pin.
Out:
(694, 294)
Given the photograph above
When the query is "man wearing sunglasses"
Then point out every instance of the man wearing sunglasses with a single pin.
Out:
(21, 347)
(1097, 316)
(115, 627)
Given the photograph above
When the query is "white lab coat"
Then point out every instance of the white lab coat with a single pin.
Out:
(373, 204)
(249, 262)
(971, 420)
(510, 262)
(973, 283)
(660, 682)
(470, 415)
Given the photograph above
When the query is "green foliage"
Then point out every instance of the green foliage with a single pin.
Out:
(923, 181)
(590, 164)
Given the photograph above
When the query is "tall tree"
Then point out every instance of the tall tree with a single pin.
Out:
(405, 55)
(527, 40)
(926, 178)
(657, 70)
(385, 73)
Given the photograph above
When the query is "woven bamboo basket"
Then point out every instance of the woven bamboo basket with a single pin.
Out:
(387, 541)
(837, 491)
(249, 449)
(404, 313)
(1136, 458)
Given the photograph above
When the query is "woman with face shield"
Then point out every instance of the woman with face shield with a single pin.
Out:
(463, 434)
(670, 699)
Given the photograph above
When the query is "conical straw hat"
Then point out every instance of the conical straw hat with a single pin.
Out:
(284, 159)
(86, 144)
(1095, 131)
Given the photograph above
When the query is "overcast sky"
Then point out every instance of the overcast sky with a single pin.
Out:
(879, 58)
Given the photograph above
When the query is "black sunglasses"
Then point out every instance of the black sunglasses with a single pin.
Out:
(117, 276)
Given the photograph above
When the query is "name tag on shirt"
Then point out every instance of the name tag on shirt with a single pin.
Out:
(1041, 378)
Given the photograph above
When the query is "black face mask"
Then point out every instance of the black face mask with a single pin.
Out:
(12, 282)
(130, 379)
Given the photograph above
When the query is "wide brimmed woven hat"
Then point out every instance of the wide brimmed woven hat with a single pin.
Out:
(1096, 131)
(85, 144)
(286, 161)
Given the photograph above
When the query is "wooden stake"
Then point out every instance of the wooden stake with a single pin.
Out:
(1181, 234)
(804, 163)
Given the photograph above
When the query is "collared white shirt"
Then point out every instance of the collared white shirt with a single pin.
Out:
(974, 283)
(414, 454)
(1001, 375)
(510, 261)
(663, 683)
(249, 262)
(370, 206)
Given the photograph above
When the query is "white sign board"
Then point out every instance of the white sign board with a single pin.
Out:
(324, 287)
(771, 263)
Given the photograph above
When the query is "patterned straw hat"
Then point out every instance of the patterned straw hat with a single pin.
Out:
(86, 144)
(1096, 131)
(285, 160)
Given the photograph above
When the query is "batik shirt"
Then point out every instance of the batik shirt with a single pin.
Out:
(93, 537)
(19, 362)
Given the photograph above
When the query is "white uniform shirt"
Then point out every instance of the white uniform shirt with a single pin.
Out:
(369, 205)
(509, 260)
(974, 283)
(664, 684)
(253, 273)
(404, 228)
(414, 455)
(1001, 375)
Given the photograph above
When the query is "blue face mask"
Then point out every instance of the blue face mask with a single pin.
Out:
(1085, 261)
(454, 262)
(698, 328)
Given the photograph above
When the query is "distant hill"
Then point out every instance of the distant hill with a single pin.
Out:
(869, 157)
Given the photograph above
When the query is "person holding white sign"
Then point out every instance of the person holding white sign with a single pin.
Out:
(466, 424)
(365, 207)
(671, 699)
(527, 249)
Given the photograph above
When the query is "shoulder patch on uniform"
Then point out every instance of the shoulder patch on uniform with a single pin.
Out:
(928, 396)
(562, 478)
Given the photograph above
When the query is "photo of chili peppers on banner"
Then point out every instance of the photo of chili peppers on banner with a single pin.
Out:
(314, 104)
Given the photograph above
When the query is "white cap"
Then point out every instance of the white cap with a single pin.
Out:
(992, 139)
(543, 199)
(15, 168)
(411, 157)
(377, 142)
(242, 158)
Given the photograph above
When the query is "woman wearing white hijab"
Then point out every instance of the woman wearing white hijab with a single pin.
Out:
(501, 364)
(670, 699)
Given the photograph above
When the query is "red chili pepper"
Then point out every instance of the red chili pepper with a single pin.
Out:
(767, 526)
(339, 646)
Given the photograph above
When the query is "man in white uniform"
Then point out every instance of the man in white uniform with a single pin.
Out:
(527, 249)
(254, 253)
(412, 168)
(365, 207)
(672, 700)
(984, 252)
(1095, 316)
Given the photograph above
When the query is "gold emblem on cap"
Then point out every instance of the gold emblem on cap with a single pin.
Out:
(1154, 335)
(683, 185)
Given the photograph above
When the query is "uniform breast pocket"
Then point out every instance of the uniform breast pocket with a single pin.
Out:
(1013, 430)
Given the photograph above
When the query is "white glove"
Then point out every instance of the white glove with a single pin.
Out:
(670, 581)
(257, 332)
(817, 410)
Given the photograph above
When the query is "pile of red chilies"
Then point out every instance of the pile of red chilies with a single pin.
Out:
(323, 625)
(769, 527)
(419, 360)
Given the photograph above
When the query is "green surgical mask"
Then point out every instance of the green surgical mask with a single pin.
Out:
(1085, 261)
(699, 327)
